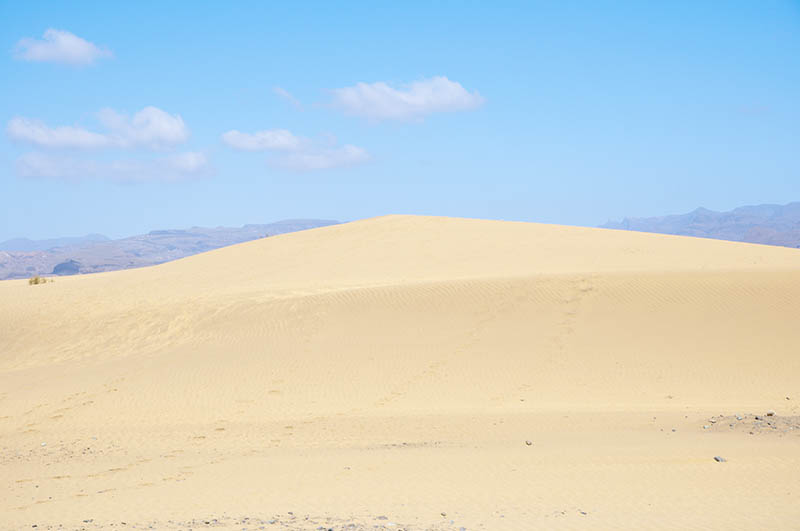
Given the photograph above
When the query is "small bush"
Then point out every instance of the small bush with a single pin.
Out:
(37, 280)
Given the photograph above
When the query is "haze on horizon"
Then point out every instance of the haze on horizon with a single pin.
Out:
(121, 119)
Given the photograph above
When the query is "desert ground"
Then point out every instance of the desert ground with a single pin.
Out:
(410, 372)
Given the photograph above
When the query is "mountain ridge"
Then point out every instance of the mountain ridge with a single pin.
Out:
(769, 224)
(27, 245)
(92, 254)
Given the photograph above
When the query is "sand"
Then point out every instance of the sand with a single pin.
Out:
(391, 371)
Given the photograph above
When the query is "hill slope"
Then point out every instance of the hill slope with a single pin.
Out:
(396, 366)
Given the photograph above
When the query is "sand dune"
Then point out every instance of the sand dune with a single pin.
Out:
(396, 367)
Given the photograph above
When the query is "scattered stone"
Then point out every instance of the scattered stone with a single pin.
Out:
(770, 413)
(759, 417)
(673, 429)
(443, 514)
(705, 427)
(529, 443)
(719, 459)
(738, 417)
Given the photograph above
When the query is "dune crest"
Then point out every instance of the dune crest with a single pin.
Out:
(407, 359)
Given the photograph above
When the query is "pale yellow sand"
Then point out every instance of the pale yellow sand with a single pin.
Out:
(396, 367)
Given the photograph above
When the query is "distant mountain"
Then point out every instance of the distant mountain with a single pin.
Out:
(23, 258)
(767, 224)
(24, 244)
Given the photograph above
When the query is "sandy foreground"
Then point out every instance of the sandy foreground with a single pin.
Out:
(410, 373)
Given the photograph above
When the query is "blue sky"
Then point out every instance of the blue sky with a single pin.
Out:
(122, 118)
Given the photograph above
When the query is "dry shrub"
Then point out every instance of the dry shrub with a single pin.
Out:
(37, 280)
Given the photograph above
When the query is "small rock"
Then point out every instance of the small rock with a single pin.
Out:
(443, 514)
(738, 417)
(673, 429)
(381, 518)
(706, 427)
(529, 443)
(719, 459)
(770, 413)
(759, 417)
(44, 444)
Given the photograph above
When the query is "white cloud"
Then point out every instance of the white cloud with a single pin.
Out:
(179, 166)
(59, 46)
(379, 101)
(37, 132)
(285, 94)
(295, 152)
(151, 127)
(271, 139)
(188, 162)
(324, 158)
